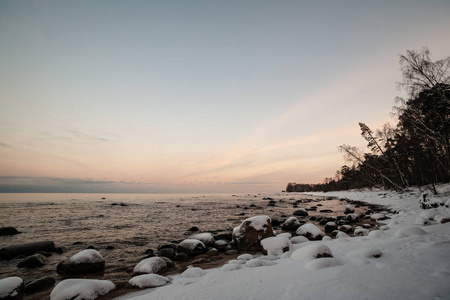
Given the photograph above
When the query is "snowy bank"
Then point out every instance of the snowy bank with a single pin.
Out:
(403, 261)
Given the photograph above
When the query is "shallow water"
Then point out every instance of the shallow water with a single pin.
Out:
(146, 221)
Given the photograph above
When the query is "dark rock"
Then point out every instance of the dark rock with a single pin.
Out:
(168, 261)
(46, 254)
(220, 244)
(271, 204)
(60, 250)
(301, 213)
(291, 224)
(323, 221)
(8, 231)
(312, 218)
(194, 229)
(231, 252)
(39, 284)
(330, 227)
(77, 243)
(109, 247)
(33, 261)
(224, 235)
(241, 214)
(212, 252)
(252, 205)
(181, 256)
(249, 234)
(276, 222)
(200, 261)
(26, 249)
(326, 211)
(268, 198)
(90, 247)
(167, 252)
(149, 251)
(163, 246)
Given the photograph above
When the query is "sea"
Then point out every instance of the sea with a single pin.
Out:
(130, 224)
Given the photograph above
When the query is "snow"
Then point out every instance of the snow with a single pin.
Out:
(87, 256)
(298, 239)
(257, 222)
(311, 252)
(9, 285)
(78, 289)
(148, 281)
(193, 272)
(414, 262)
(274, 245)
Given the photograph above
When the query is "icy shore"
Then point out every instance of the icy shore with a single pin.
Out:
(408, 259)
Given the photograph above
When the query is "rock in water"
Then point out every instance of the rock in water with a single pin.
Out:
(26, 249)
(191, 247)
(86, 261)
(8, 231)
(249, 234)
(33, 261)
(39, 284)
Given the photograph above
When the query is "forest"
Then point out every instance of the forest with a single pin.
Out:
(414, 152)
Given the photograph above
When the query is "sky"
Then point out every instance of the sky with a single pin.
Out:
(197, 96)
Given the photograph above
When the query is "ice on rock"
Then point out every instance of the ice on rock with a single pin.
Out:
(8, 286)
(310, 230)
(81, 289)
(87, 256)
(148, 281)
(408, 231)
(322, 263)
(205, 237)
(245, 257)
(311, 252)
(298, 239)
(276, 245)
(257, 262)
(193, 272)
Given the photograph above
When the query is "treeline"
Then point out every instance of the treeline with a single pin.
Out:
(414, 152)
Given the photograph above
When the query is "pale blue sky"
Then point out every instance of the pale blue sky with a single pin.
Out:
(198, 96)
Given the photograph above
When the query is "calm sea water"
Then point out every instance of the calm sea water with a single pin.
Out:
(76, 221)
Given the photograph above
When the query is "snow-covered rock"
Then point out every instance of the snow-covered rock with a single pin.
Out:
(378, 217)
(81, 289)
(86, 261)
(205, 237)
(249, 234)
(276, 245)
(191, 247)
(148, 281)
(360, 231)
(408, 231)
(321, 263)
(245, 257)
(349, 209)
(311, 252)
(310, 231)
(152, 265)
(291, 224)
(11, 287)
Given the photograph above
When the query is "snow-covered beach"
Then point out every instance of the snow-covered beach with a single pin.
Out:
(414, 262)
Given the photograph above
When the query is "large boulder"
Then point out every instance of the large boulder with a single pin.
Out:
(300, 213)
(191, 247)
(152, 265)
(26, 249)
(86, 261)
(249, 234)
(8, 231)
(11, 288)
